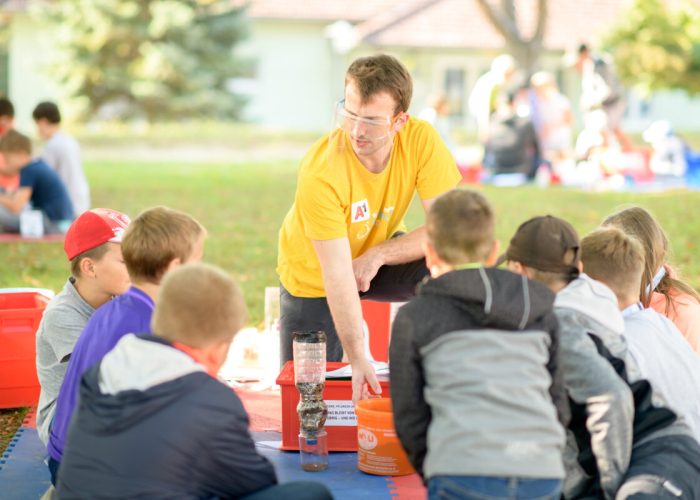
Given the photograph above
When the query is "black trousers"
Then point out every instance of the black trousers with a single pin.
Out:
(391, 284)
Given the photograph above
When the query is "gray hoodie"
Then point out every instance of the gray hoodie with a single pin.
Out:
(474, 377)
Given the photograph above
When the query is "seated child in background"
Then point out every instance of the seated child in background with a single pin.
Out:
(664, 459)
(512, 147)
(154, 422)
(7, 116)
(98, 273)
(464, 411)
(663, 356)
(661, 288)
(62, 153)
(157, 241)
(38, 184)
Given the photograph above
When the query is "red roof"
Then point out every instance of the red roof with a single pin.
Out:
(446, 23)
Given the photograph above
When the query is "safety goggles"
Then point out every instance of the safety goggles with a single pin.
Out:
(358, 127)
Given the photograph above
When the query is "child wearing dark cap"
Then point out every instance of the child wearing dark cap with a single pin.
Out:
(474, 378)
(620, 446)
(98, 273)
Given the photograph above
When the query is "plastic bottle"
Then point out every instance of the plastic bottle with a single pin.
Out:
(310, 378)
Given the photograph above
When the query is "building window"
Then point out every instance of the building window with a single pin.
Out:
(455, 91)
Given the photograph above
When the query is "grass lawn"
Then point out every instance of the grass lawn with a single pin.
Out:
(242, 206)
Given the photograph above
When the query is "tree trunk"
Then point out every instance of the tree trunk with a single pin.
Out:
(525, 51)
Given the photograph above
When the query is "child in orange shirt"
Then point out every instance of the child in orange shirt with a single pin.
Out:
(661, 289)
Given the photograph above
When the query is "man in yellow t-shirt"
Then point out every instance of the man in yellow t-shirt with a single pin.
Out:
(338, 241)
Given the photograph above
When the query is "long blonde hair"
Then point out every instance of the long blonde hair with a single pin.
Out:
(639, 223)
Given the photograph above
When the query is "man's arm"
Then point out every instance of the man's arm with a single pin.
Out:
(16, 201)
(405, 248)
(344, 302)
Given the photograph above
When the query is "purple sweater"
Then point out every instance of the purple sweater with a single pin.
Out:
(128, 313)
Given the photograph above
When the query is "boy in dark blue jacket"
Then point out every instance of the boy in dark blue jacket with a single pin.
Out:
(154, 422)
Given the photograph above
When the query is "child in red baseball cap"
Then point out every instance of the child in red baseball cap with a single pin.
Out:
(98, 273)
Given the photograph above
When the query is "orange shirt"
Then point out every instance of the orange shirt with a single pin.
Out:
(685, 314)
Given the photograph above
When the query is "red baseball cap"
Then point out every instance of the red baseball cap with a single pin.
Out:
(93, 228)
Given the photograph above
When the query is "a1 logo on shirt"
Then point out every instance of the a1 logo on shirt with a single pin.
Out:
(360, 211)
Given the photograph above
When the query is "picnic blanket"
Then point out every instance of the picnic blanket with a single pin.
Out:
(24, 474)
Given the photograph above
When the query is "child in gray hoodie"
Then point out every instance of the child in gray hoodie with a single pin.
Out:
(474, 381)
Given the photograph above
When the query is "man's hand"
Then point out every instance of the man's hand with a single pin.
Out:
(365, 268)
(363, 378)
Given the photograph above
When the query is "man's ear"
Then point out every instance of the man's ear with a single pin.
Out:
(493, 254)
(400, 122)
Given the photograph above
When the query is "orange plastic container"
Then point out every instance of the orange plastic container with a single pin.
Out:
(380, 451)
(341, 423)
(20, 315)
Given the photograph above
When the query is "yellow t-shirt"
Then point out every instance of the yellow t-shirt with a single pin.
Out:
(338, 197)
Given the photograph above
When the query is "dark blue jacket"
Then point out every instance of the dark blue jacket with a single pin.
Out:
(151, 423)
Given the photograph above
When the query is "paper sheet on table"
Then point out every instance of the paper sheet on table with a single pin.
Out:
(381, 369)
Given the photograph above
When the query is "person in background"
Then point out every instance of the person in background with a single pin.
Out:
(601, 89)
(62, 153)
(7, 115)
(512, 143)
(7, 122)
(39, 188)
(437, 114)
(556, 119)
(483, 101)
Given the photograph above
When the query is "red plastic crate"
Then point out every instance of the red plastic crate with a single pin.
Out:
(20, 315)
(341, 423)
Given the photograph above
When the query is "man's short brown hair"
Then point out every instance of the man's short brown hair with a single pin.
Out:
(157, 237)
(382, 73)
(460, 227)
(615, 258)
(199, 306)
(94, 254)
(14, 142)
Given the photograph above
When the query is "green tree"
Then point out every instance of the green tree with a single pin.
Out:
(158, 59)
(656, 47)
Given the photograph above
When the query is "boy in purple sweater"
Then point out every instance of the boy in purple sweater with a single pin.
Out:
(157, 241)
